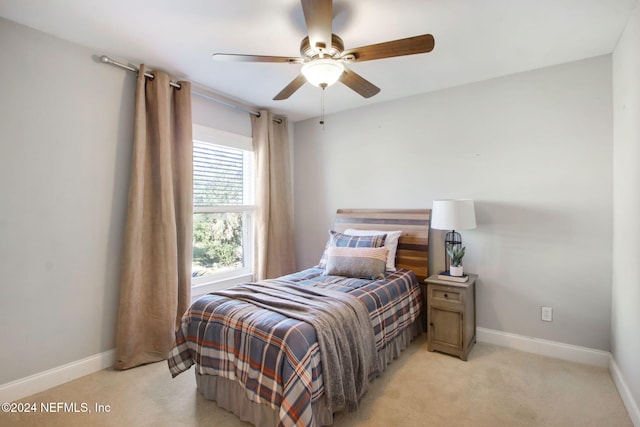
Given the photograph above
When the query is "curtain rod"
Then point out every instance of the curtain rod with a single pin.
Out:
(106, 60)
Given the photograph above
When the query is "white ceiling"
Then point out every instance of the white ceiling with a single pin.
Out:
(475, 40)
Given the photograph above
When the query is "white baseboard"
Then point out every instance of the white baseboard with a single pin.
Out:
(558, 350)
(41, 381)
(625, 393)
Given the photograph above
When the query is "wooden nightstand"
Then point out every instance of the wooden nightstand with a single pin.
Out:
(451, 315)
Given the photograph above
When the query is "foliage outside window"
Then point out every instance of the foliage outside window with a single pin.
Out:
(217, 243)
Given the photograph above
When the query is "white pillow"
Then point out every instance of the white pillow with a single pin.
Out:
(390, 243)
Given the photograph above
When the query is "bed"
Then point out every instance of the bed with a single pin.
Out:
(260, 350)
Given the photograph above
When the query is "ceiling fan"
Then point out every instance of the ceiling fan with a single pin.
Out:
(323, 56)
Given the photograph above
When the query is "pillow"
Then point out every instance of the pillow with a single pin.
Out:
(391, 242)
(361, 263)
(342, 240)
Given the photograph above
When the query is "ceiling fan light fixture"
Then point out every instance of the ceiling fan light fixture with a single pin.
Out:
(322, 72)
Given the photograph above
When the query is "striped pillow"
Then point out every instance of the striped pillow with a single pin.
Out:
(343, 240)
(361, 263)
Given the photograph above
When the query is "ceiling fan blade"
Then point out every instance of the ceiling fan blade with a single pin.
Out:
(402, 47)
(232, 57)
(290, 88)
(358, 83)
(318, 16)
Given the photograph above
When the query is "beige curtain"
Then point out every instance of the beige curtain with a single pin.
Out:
(155, 280)
(275, 254)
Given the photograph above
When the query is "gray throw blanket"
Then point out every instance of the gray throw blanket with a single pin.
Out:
(343, 327)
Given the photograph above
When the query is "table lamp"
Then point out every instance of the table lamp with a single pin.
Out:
(450, 214)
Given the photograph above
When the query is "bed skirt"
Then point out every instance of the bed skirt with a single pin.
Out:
(230, 395)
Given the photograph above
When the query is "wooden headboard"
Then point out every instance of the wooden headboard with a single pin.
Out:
(413, 246)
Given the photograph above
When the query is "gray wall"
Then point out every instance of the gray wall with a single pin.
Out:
(209, 113)
(66, 126)
(535, 152)
(626, 208)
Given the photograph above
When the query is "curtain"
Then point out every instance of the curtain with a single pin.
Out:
(155, 282)
(275, 255)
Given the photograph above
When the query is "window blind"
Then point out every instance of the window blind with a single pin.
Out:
(217, 175)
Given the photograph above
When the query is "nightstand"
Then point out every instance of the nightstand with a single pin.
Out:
(451, 315)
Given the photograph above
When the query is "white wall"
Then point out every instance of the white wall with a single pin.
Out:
(535, 152)
(66, 126)
(626, 209)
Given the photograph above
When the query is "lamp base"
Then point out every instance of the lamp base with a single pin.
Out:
(451, 240)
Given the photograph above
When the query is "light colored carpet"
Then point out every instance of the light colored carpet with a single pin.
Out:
(496, 387)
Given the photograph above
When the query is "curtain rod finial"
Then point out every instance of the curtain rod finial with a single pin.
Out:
(105, 59)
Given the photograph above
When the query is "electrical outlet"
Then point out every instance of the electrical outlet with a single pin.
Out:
(546, 314)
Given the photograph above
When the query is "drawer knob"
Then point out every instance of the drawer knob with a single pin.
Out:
(446, 295)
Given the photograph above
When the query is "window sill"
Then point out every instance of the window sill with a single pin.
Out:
(202, 289)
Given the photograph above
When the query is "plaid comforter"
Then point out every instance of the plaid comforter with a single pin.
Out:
(275, 358)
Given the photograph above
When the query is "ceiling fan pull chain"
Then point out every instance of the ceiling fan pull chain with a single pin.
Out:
(322, 106)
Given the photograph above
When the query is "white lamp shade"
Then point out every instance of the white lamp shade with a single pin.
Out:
(322, 72)
(453, 214)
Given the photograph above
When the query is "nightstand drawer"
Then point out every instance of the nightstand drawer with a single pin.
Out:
(445, 296)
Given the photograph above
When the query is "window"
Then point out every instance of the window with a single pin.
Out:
(223, 208)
